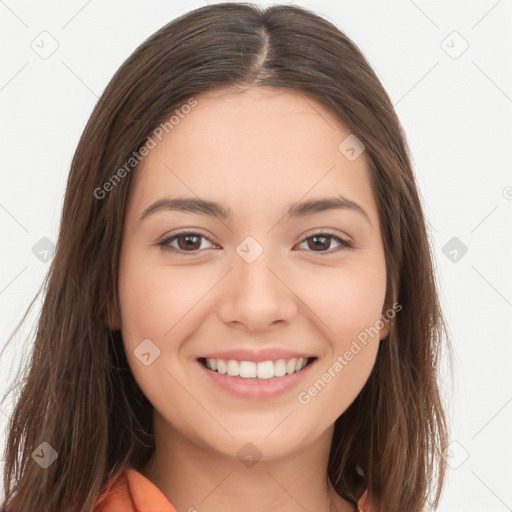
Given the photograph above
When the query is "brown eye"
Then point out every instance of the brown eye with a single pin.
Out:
(192, 242)
(187, 242)
(321, 242)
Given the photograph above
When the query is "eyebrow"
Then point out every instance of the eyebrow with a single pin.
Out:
(210, 208)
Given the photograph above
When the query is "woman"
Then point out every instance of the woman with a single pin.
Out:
(242, 310)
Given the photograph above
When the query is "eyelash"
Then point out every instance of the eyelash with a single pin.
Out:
(344, 244)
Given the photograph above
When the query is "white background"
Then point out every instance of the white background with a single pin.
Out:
(457, 114)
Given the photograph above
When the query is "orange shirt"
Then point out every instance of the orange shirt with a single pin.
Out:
(131, 491)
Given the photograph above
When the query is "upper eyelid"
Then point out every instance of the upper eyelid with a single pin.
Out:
(188, 232)
(318, 231)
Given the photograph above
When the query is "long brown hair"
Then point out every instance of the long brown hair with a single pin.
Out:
(77, 392)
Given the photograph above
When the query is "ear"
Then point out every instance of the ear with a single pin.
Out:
(388, 313)
(113, 321)
(387, 325)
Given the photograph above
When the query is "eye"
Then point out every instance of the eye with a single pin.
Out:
(185, 240)
(190, 242)
(320, 241)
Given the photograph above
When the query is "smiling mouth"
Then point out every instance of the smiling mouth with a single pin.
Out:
(256, 371)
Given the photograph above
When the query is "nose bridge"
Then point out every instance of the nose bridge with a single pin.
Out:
(253, 275)
(256, 295)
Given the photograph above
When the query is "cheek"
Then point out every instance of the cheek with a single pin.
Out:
(154, 301)
(347, 300)
(349, 310)
(154, 298)
(349, 306)
(162, 304)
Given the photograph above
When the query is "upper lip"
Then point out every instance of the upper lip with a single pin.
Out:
(267, 354)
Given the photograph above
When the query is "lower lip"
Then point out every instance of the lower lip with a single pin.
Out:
(256, 388)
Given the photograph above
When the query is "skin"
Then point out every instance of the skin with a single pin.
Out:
(255, 151)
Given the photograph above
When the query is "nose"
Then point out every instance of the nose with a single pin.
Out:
(257, 296)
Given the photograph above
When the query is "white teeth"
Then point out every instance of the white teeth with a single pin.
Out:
(247, 369)
(291, 366)
(265, 370)
(280, 368)
(261, 370)
(233, 368)
(221, 366)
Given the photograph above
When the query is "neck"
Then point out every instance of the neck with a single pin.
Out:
(196, 477)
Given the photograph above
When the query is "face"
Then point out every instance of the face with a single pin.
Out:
(251, 286)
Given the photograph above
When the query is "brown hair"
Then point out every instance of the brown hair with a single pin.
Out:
(78, 393)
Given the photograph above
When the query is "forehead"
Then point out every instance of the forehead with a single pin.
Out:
(250, 149)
